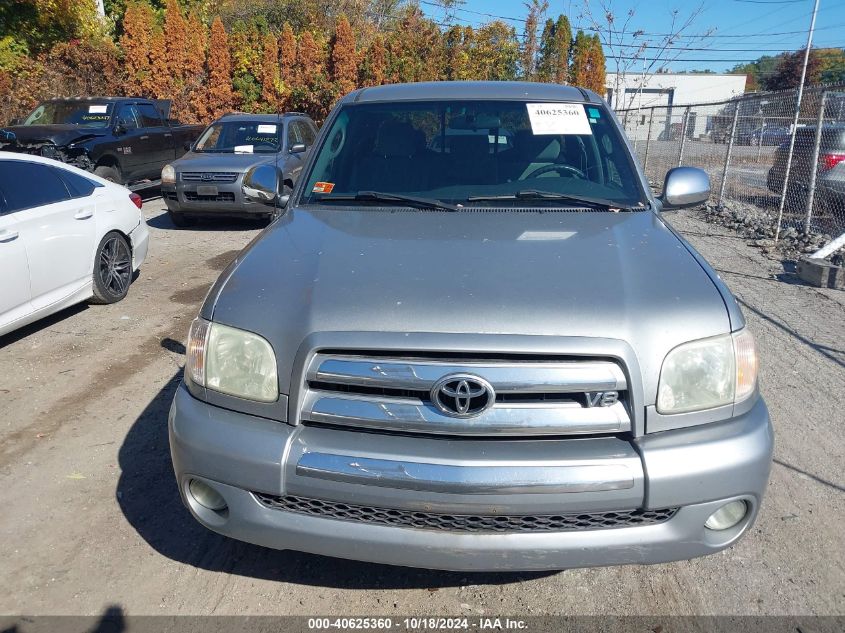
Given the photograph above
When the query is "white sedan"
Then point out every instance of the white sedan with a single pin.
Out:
(66, 236)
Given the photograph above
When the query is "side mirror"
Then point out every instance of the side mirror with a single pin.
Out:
(261, 184)
(187, 146)
(685, 187)
(287, 189)
(297, 148)
(119, 129)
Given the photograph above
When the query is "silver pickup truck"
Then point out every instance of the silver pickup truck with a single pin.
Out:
(471, 341)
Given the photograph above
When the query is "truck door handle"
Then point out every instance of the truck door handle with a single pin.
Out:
(84, 214)
(144, 137)
(8, 236)
(168, 135)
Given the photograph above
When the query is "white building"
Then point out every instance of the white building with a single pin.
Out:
(634, 91)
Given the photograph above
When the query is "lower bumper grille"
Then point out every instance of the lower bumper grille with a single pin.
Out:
(224, 196)
(465, 523)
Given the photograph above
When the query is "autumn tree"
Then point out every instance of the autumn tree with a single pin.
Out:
(530, 47)
(494, 54)
(136, 42)
(161, 83)
(415, 49)
(457, 42)
(217, 98)
(787, 74)
(588, 63)
(343, 63)
(374, 63)
(270, 80)
(287, 61)
(245, 46)
(553, 63)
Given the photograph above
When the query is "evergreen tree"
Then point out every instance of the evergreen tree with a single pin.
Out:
(343, 60)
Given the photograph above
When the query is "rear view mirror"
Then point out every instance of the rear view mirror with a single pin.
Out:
(297, 148)
(685, 187)
(261, 184)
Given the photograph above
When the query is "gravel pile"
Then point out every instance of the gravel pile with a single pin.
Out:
(758, 225)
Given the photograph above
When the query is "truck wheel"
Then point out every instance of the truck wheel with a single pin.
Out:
(112, 269)
(179, 220)
(108, 173)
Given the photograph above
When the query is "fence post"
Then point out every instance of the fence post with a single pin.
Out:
(648, 142)
(683, 136)
(728, 158)
(814, 165)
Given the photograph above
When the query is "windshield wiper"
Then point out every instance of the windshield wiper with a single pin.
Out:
(379, 196)
(534, 194)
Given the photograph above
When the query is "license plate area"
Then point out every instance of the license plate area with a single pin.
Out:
(206, 190)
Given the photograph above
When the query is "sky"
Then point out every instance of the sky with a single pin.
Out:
(743, 30)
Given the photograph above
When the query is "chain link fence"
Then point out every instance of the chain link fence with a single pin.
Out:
(744, 145)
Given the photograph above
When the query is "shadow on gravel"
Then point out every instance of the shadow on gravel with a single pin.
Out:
(148, 496)
(162, 221)
(42, 324)
(824, 350)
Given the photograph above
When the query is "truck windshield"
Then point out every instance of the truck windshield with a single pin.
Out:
(240, 137)
(84, 114)
(474, 153)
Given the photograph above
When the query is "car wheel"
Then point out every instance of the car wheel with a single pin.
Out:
(112, 269)
(108, 173)
(179, 220)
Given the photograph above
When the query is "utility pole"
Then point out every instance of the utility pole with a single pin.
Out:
(795, 120)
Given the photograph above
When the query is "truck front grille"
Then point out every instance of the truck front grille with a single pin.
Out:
(209, 176)
(551, 397)
(465, 522)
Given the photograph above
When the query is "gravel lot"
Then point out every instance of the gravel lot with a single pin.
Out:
(91, 515)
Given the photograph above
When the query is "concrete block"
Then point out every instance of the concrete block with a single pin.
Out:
(821, 273)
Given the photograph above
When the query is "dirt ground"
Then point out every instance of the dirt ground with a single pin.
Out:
(91, 517)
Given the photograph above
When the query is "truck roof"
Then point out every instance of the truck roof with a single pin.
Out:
(472, 90)
(101, 99)
(264, 118)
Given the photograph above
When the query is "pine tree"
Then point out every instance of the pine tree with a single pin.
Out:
(219, 97)
(553, 64)
(197, 47)
(138, 25)
(270, 81)
(309, 63)
(588, 63)
(176, 43)
(161, 82)
(344, 64)
(598, 73)
(287, 64)
(374, 63)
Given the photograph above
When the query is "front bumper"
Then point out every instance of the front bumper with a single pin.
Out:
(695, 470)
(230, 200)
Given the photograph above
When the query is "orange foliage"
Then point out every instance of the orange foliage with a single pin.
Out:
(218, 97)
(136, 42)
(344, 65)
(270, 82)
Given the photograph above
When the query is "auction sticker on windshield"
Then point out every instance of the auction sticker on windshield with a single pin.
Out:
(558, 118)
(266, 129)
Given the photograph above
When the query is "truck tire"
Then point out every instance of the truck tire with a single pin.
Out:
(112, 269)
(108, 173)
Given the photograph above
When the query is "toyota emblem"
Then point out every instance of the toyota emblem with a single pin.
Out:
(462, 395)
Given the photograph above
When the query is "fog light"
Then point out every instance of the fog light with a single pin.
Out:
(206, 496)
(727, 516)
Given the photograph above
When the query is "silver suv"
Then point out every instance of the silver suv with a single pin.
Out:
(472, 342)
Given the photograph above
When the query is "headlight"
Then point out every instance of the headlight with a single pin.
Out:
(708, 373)
(231, 361)
(168, 175)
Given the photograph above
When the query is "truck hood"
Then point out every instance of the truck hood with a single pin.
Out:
(60, 135)
(565, 274)
(221, 162)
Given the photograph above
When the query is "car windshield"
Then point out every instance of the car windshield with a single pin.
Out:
(84, 114)
(240, 137)
(474, 153)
